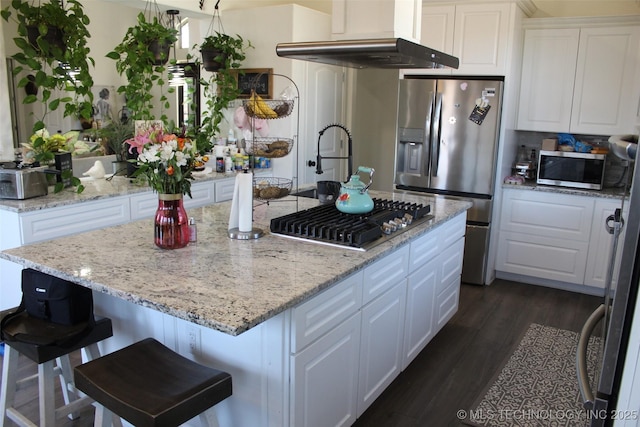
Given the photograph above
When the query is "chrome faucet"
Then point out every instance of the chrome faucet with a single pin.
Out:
(349, 158)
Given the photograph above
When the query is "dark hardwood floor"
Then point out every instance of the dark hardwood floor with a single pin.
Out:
(455, 366)
(451, 372)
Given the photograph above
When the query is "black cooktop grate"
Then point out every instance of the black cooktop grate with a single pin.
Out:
(325, 223)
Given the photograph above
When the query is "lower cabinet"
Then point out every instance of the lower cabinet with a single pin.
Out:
(555, 237)
(419, 326)
(381, 344)
(351, 341)
(325, 378)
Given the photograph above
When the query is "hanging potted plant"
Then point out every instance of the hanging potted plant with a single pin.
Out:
(58, 71)
(141, 58)
(222, 51)
(221, 54)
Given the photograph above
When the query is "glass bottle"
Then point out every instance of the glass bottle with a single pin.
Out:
(522, 155)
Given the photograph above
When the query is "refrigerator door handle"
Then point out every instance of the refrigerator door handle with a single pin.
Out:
(435, 134)
(428, 141)
(581, 357)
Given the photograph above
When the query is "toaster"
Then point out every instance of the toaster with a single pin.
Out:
(23, 183)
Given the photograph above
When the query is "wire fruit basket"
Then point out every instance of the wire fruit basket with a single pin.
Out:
(268, 188)
(271, 147)
(267, 108)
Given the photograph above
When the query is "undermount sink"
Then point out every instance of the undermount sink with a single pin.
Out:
(311, 193)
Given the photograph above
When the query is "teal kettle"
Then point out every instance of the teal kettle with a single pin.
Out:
(354, 197)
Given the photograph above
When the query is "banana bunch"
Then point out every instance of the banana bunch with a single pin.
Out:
(259, 108)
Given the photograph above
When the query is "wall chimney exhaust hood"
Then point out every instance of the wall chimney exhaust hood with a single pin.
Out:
(393, 53)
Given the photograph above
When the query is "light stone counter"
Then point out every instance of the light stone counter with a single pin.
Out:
(605, 193)
(94, 190)
(220, 283)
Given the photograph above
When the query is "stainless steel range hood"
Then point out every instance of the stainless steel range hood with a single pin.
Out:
(368, 53)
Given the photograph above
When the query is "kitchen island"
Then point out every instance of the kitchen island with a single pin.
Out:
(266, 309)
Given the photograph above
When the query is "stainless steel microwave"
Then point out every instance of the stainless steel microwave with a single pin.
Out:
(571, 169)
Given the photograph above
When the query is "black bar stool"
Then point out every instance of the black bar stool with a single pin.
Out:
(52, 360)
(148, 384)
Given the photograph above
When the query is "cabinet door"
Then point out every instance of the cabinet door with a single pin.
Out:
(315, 317)
(481, 37)
(545, 235)
(606, 91)
(62, 221)
(552, 215)
(325, 378)
(144, 205)
(381, 344)
(418, 324)
(224, 189)
(437, 27)
(384, 274)
(548, 72)
(601, 245)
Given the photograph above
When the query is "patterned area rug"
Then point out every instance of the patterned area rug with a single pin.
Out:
(537, 386)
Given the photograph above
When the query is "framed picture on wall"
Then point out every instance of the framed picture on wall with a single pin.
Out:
(105, 104)
(258, 79)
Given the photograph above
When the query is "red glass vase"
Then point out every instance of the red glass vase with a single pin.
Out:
(171, 227)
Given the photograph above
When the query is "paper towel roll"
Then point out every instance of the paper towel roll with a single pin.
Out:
(242, 203)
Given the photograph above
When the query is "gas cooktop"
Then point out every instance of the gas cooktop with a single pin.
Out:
(325, 224)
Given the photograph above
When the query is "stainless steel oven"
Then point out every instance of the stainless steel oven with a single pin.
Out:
(571, 169)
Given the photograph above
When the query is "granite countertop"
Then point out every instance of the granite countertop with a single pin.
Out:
(605, 193)
(94, 190)
(220, 283)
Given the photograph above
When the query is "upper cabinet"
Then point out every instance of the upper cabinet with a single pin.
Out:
(581, 79)
(479, 35)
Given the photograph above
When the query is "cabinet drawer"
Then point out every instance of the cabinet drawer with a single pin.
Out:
(384, 274)
(452, 230)
(558, 216)
(424, 249)
(450, 264)
(224, 189)
(314, 318)
(447, 302)
(144, 205)
(203, 194)
(544, 257)
(67, 220)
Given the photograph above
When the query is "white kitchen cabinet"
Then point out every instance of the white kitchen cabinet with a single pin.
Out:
(393, 303)
(606, 93)
(601, 244)
(479, 35)
(381, 344)
(144, 205)
(325, 378)
(447, 291)
(419, 326)
(62, 221)
(224, 190)
(581, 80)
(325, 311)
(548, 74)
(559, 238)
(545, 235)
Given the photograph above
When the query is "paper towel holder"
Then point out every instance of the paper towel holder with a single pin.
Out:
(255, 233)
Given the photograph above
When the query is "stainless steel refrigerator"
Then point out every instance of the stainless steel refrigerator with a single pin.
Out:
(447, 143)
(615, 315)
